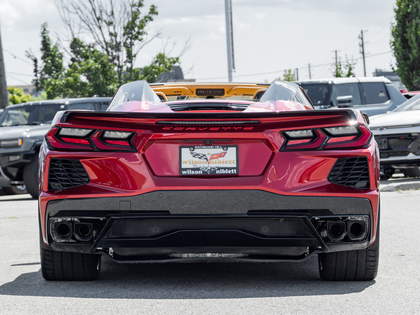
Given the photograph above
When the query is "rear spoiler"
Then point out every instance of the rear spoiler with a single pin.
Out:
(310, 117)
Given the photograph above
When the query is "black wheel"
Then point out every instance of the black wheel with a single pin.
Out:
(387, 173)
(15, 190)
(65, 266)
(30, 177)
(411, 172)
(357, 265)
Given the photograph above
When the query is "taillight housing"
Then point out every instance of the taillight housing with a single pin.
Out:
(82, 139)
(338, 137)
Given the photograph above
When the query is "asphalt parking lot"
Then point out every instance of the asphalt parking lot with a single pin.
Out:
(283, 288)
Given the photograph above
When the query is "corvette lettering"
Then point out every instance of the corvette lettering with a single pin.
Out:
(207, 128)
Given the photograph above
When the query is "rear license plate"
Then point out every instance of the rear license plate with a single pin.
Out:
(382, 143)
(208, 160)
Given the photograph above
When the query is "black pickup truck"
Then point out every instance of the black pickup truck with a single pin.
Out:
(22, 130)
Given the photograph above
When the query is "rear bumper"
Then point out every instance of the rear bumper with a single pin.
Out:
(238, 225)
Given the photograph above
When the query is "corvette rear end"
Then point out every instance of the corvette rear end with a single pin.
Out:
(208, 179)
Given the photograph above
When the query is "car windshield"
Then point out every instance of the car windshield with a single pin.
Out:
(411, 104)
(29, 115)
(320, 94)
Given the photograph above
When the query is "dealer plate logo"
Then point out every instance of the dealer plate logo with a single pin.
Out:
(208, 160)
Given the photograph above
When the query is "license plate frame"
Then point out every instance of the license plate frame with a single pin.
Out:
(212, 160)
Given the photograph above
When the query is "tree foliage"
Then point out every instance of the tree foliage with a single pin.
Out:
(346, 70)
(16, 95)
(288, 75)
(117, 28)
(52, 66)
(405, 42)
(117, 32)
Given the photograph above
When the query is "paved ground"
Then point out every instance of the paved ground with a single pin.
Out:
(287, 288)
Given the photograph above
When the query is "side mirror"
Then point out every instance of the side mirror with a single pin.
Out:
(344, 100)
(366, 117)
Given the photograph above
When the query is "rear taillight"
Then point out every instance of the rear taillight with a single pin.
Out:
(81, 139)
(341, 137)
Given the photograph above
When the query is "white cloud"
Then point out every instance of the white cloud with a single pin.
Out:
(269, 35)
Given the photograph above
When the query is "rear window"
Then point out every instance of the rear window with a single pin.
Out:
(87, 106)
(375, 93)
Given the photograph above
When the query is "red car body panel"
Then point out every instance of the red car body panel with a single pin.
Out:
(269, 161)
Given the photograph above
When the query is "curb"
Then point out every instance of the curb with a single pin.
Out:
(386, 186)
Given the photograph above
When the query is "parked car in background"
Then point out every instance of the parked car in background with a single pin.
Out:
(410, 94)
(398, 137)
(22, 130)
(372, 96)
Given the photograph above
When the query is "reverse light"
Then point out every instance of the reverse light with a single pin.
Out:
(342, 131)
(74, 132)
(117, 135)
(15, 143)
(300, 134)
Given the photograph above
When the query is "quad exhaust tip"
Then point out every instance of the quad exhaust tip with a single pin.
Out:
(336, 230)
(354, 229)
(65, 230)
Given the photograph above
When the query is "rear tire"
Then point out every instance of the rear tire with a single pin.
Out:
(65, 266)
(357, 265)
(15, 190)
(386, 173)
(30, 177)
(411, 172)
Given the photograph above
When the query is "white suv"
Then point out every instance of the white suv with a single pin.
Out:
(372, 96)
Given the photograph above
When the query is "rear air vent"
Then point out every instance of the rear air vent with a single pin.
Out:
(66, 174)
(352, 172)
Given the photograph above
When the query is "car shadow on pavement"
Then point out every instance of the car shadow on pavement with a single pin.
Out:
(189, 281)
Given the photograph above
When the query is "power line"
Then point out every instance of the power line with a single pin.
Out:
(26, 83)
(17, 57)
(282, 71)
(29, 75)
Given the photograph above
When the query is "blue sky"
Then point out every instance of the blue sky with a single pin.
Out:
(269, 36)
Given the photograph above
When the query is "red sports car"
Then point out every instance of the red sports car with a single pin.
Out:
(216, 172)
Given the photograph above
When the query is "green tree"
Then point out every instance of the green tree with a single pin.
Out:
(52, 66)
(405, 42)
(160, 64)
(16, 95)
(346, 70)
(116, 28)
(117, 32)
(349, 67)
(338, 70)
(288, 75)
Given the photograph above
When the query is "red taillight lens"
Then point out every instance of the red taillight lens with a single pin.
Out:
(111, 144)
(309, 139)
(57, 141)
(341, 137)
(90, 139)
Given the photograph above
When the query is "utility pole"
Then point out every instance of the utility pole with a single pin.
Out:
(4, 98)
(336, 59)
(309, 68)
(362, 50)
(297, 74)
(229, 38)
